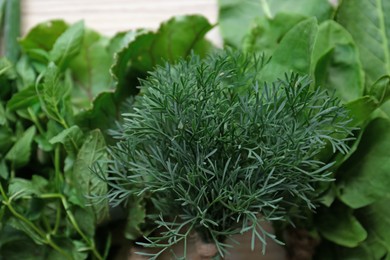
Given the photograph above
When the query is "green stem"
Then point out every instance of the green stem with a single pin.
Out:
(73, 221)
(58, 219)
(57, 166)
(12, 30)
(36, 121)
(45, 237)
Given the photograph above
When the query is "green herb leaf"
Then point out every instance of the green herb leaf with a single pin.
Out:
(20, 152)
(91, 69)
(236, 18)
(53, 94)
(301, 39)
(23, 99)
(336, 61)
(68, 45)
(19, 187)
(369, 24)
(136, 217)
(267, 32)
(88, 184)
(365, 177)
(340, 226)
(71, 138)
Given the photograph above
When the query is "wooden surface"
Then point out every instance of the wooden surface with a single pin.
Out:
(109, 17)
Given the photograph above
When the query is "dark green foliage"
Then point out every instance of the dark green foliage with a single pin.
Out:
(218, 151)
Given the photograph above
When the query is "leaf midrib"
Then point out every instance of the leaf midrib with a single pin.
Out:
(382, 30)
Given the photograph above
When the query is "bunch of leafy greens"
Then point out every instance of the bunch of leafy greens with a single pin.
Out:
(217, 152)
(345, 48)
(61, 87)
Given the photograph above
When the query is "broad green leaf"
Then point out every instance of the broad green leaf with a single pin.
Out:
(361, 109)
(102, 115)
(91, 69)
(136, 217)
(369, 24)
(68, 45)
(6, 139)
(20, 152)
(74, 249)
(336, 62)
(85, 219)
(376, 219)
(365, 176)
(237, 17)
(43, 35)
(19, 187)
(71, 138)
(4, 173)
(121, 40)
(7, 69)
(53, 94)
(87, 183)
(175, 39)
(26, 73)
(268, 32)
(339, 225)
(16, 245)
(381, 89)
(3, 118)
(301, 40)
(23, 99)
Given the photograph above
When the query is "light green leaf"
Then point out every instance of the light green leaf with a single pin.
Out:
(40, 39)
(4, 173)
(68, 45)
(19, 187)
(136, 217)
(381, 89)
(26, 73)
(267, 33)
(103, 115)
(121, 40)
(365, 176)
(237, 17)
(175, 38)
(294, 52)
(336, 62)
(92, 151)
(20, 152)
(71, 138)
(23, 99)
(91, 70)
(43, 35)
(340, 226)
(369, 24)
(53, 94)
(361, 109)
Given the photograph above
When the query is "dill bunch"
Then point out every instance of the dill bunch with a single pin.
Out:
(217, 151)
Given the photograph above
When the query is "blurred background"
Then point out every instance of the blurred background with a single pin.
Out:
(110, 17)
